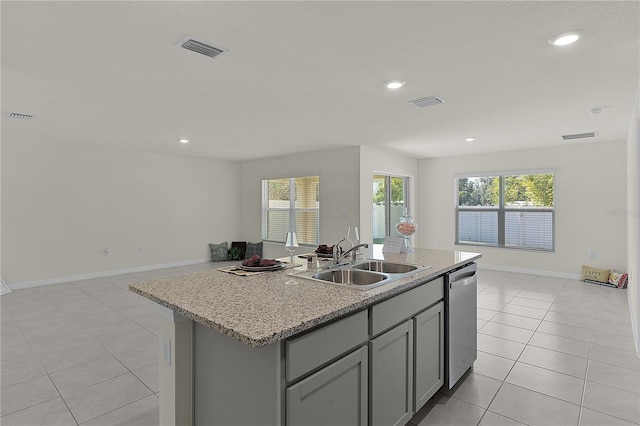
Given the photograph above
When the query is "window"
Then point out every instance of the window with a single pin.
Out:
(390, 197)
(291, 204)
(511, 210)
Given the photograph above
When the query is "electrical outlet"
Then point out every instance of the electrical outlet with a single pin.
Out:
(107, 251)
(139, 249)
(593, 255)
(165, 349)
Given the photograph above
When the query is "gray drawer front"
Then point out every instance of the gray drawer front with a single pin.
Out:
(386, 314)
(318, 347)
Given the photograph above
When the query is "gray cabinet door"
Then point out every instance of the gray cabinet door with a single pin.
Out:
(391, 357)
(429, 354)
(334, 396)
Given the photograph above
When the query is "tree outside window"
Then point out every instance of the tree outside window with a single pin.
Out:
(506, 210)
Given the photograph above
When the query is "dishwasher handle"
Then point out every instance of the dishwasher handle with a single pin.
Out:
(463, 277)
(462, 283)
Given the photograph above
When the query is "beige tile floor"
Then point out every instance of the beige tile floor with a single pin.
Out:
(550, 352)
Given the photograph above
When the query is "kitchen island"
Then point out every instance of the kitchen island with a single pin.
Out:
(237, 350)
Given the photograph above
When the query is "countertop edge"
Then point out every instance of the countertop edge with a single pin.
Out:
(375, 297)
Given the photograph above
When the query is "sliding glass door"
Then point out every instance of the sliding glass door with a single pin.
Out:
(390, 197)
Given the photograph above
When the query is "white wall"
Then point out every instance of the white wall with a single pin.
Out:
(590, 182)
(4, 288)
(633, 218)
(345, 189)
(63, 204)
(339, 192)
(374, 161)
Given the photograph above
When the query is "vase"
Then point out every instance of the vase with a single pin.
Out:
(406, 227)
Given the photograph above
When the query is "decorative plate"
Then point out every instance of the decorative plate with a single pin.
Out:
(325, 255)
(278, 265)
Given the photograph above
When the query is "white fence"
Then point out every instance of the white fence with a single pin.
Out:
(379, 231)
(526, 229)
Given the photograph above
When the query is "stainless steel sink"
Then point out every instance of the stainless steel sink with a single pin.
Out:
(353, 277)
(364, 275)
(385, 266)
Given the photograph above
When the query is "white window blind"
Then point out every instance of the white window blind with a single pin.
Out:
(291, 204)
(511, 210)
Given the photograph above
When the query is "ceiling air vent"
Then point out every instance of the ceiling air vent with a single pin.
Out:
(194, 45)
(19, 116)
(428, 101)
(578, 136)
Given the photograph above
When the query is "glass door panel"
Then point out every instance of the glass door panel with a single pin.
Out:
(379, 208)
(389, 202)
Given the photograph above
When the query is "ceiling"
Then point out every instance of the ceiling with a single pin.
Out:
(309, 75)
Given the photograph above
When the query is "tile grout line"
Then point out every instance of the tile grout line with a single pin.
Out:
(514, 365)
(518, 360)
(116, 409)
(510, 369)
(588, 359)
(75, 321)
(64, 401)
(129, 371)
(40, 403)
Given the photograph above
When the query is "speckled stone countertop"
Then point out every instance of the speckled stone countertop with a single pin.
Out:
(262, 309)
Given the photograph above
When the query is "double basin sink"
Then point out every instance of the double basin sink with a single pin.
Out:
(367, 274)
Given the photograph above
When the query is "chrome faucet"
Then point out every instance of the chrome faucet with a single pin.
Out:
(336, 252)
(353, 250)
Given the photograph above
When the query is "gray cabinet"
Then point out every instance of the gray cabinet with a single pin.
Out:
(311, 350)
(428, 354)
(334, 396)
(332, 378)
(390, 312)
(391, 356)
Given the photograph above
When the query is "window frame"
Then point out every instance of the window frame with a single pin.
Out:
(292, 209)
(502, 210)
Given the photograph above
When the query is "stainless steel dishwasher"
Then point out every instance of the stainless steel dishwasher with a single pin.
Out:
(461, 336)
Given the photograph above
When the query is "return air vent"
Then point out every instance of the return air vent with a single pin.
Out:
(578, 136)
(428, 101)
(194, 45)
(19, 116)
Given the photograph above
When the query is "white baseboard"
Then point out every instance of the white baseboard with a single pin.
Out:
(554, 274)
(540, 272)
(59, 280)
(4, 288)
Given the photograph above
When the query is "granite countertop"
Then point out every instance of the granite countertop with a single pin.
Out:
(262, 309)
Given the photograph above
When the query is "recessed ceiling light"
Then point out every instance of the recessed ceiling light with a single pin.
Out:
(470, 139)
(184, 140)
(394, 84)
(566, 38)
